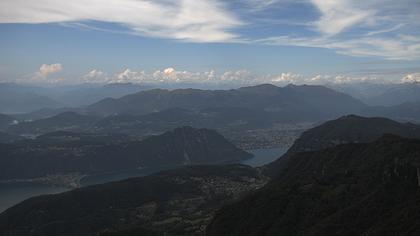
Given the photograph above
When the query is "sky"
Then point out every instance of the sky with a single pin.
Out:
(209, 41)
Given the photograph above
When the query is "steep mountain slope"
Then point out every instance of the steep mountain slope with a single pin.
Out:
(177, 202)
(290, 102)
(182, 146)
(350, 189)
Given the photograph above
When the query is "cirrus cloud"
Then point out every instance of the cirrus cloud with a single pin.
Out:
(190, 20)
(94, 76)
(371, 28)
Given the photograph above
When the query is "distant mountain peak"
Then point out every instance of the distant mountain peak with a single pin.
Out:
(352, 128)
(262, 86)
(352, 117)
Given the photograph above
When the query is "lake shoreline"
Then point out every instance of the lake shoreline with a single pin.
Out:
(16, 190)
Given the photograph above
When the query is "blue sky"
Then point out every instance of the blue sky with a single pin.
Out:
(209, 41)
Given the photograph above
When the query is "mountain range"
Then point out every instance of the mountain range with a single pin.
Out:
(287, 103)
(64, 153)
(291, 103)
(346, 129)
(63, 121)
(156, 111)
(367, 182)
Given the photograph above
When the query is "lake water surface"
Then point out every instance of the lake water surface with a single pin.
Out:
(264, 156)
(13, 193)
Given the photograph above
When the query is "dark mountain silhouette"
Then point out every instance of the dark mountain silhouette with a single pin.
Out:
(350, 189)
(8, 138)
(79, 139)
(152, 123)
(182, 146)
(156, 122)
(5, 121)
(62, 121)
(178, 202)
(346, 129)
(352, 129)
(290, 102)
(158, 110)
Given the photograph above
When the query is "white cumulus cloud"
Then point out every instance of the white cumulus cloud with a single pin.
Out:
(411, 78)
(94, 76)
(44, 74)
(286, 78)
(231, 78)
(47, 69)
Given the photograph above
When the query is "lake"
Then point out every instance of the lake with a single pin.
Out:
(13, 193)
(264, 156)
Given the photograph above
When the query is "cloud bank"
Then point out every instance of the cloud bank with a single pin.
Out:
(49, 74)
(171, 76)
